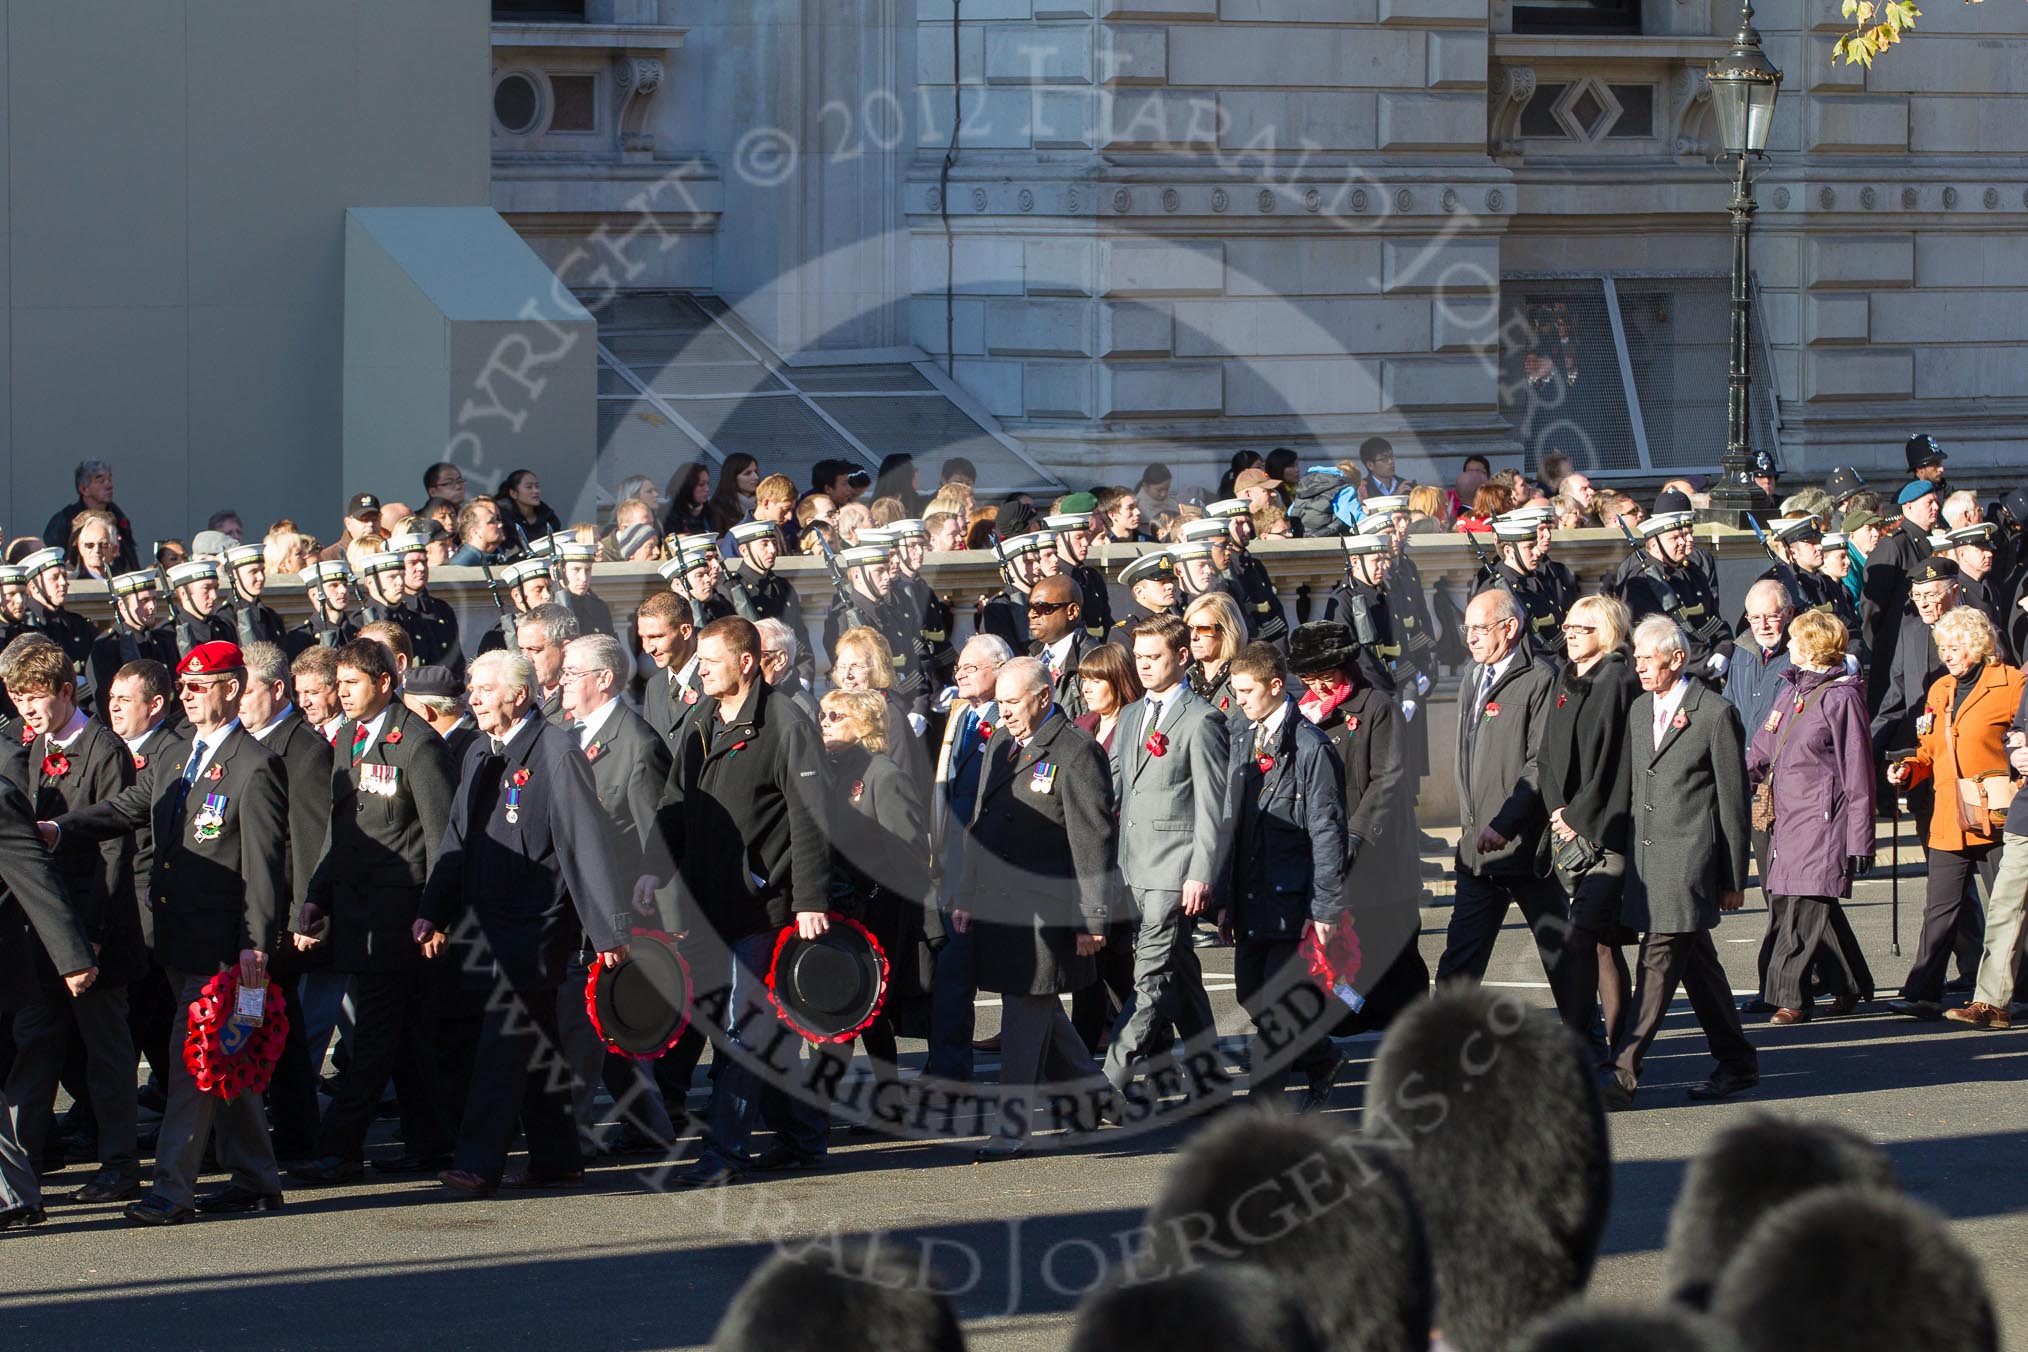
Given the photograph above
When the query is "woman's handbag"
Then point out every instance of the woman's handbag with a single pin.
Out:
(1983, 802)
(1577, 856)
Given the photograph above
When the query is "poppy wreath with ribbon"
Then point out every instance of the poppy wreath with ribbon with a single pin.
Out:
(1334, 963)
(228, 1058)
(591, 1001)
(782, 942)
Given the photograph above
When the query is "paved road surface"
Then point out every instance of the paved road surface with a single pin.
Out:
(624, 1266)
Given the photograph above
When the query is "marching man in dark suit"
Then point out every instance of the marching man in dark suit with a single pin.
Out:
(1169, 776)
(139, 704)
(629, 766)
(266, 712)
(1502, 851)
(526, 853)
(668, 635)
(219, 810)
(1036, 871)
(35, 913)
(1688, 843)
(73, 762)
(390, 786)
(1288, 863)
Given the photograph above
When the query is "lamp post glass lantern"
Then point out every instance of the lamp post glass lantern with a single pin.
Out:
(1743, 88)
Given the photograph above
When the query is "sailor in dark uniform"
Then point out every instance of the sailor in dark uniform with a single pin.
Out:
(1520, 545)
(429, 621)
(574, 564)
(528, 585)
(329, 583)
(1973, 549)
(1386, 515)
(1247, 578)
(1555, 574)
(139, 630)
(1072, 526)
(923, 613)
(380, 588)
(198, 616)
(699, 577)
(1663, 577)
(245, 570)
(1203, 555)
(1006, 616)
(48, 589)
(1360, 603)
(752, 581)
(14, 612)
(1797, 543)
(1151, 581)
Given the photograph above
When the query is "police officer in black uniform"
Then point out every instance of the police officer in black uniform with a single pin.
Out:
(245, 570)
(1006, 615)
(139, 630)
(1662, 577)
(1519, 541)
(429, 621)
(1073, 526)
(1359, 602)
(1150, 581)
(1247, 578)
(923, 612)
(48, 589)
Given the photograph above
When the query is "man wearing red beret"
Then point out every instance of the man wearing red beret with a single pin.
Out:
(217, 890)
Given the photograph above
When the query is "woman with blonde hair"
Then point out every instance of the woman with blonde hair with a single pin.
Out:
(863, 660)
(1810, 769)
(1217, 633)
(880, 852)
(1426, 502)
(284, 554)
(1962, 745)
(1581, 767)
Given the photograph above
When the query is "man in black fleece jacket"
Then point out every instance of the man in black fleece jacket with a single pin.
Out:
(743, 814)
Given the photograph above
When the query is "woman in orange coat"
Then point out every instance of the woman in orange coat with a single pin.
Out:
(1963, 734)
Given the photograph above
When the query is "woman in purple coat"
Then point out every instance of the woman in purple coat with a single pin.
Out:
(1815, 751)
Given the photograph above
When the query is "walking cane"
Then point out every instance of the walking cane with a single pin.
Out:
(1894, 869)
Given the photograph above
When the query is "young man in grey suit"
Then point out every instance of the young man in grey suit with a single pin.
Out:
(1170, 776)
(1686, 861)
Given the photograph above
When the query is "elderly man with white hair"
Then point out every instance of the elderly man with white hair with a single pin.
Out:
(781, 664)
(527, 854)
(969, 725)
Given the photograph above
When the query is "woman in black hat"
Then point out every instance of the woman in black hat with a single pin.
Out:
(1383, 879)
(880, 852)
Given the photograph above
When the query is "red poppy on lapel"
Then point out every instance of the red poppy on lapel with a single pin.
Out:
(215, 773)
(55, 765)
(1224, 703)
(1561, 699)
(393, 737)
(27, 736)
(591, 752)
(520, 776)
(737, 747)
(1265, 762)
(1351, 722)
(140, 761)
(1158, 744)
(1492, 708)
(858, 789)
(985, 731)
(690, 697)
(1679, 722)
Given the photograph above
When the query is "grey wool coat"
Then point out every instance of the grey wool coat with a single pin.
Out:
(1688, 840)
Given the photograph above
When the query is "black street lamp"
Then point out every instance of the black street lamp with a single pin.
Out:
(1743, 88)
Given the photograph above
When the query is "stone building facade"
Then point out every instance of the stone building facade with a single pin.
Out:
(1141, 229)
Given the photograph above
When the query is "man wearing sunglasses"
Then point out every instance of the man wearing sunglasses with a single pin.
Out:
(218, 892)
(1055, 607)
